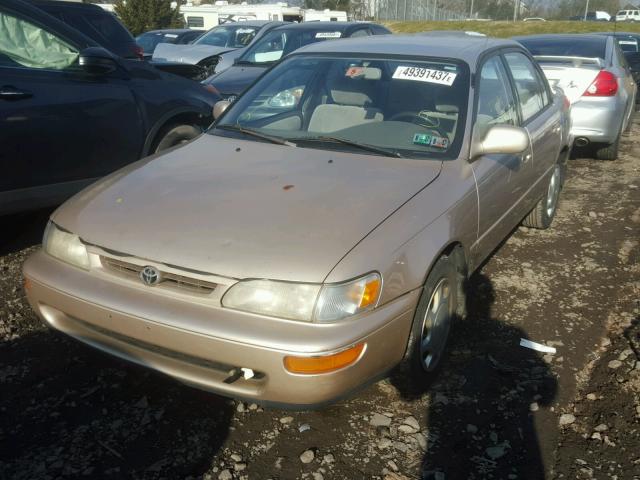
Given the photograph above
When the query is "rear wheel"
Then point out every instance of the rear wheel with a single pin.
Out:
(174, 135)
(608, 152)
(544, 211)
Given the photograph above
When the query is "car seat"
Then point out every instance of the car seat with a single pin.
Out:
(351, 101)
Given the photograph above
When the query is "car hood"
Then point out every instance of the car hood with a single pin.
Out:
(245, 209)
(226, 59)
(234, 80)
(168, 52)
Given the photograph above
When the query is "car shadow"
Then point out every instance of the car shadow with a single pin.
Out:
(481, 404)
(69, 411)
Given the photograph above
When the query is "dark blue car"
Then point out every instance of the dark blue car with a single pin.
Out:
(72, 111)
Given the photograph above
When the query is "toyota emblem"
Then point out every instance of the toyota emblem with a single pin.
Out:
(150, 276)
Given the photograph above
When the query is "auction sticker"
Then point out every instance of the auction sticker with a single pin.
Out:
(425, 75)
(328, 35)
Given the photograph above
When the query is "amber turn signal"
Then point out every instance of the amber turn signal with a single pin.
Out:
(325, 363)
(370, 293)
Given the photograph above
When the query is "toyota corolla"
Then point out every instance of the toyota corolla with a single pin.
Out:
(320, 233)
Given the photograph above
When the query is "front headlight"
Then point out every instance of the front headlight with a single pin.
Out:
(307, 302)
(65, 246)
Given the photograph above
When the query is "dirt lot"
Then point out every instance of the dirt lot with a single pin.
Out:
(496, 410)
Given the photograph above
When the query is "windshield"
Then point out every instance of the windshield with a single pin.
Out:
(281, 42)
(236, 36)
(389, 106)
(589, 47)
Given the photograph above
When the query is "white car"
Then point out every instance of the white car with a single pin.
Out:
(598, 16)
(628, 16)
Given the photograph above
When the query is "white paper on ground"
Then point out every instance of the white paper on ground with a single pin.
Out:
(536, 346)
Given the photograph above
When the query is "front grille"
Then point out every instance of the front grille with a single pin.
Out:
(167, 279)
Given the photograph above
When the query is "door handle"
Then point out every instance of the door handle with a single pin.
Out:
(7, 92)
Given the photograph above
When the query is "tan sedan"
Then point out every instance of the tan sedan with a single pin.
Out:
(319, 234)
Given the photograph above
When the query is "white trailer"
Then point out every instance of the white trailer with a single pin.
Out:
(209, 16)
(311, 15)
(201, 17)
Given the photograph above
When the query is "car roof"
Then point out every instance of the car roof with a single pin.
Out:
(311, 26)
(173, 30)
(562, 36)
(251, 23)
(460, 45)
(619, 34)
(87, 7)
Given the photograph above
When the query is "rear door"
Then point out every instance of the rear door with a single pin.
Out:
(540, 118)
(59, 128)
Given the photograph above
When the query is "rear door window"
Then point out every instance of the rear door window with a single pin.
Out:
(529, 87)
(496, 105)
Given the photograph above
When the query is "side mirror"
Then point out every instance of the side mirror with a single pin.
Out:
(500, 139)
(219, 108)
(97, 61)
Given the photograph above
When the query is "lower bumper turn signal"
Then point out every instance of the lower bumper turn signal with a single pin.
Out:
(323, 363)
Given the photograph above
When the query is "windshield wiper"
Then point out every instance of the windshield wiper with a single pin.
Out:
(363, 146)
(253, 133)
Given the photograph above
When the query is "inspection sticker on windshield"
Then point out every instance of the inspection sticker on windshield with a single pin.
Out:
(425, 75)
(328, 35)
(430, 140)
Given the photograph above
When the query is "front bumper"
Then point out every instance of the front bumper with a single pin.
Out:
(598, 119)
(199, 344)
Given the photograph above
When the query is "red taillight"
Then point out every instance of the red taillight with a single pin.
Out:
(605, 85)
(138, 51)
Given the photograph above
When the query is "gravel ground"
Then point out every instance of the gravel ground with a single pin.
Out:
(496, 410)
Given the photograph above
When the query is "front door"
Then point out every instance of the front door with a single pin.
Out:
(500, 178)
(59, 127)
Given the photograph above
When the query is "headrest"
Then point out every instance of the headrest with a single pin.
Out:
(357, 89)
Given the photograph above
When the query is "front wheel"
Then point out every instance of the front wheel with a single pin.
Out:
(442, 301)
(544, 211)
(174, 135)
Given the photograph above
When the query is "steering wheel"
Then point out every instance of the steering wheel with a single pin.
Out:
(413, 117)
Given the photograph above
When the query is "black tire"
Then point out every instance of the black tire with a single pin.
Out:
(174, 135)
(542, 214)
(414, 367)
(608, 152)
(632, 116)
